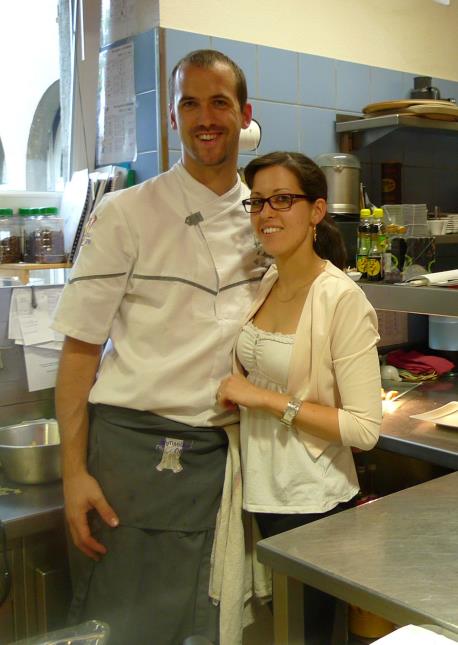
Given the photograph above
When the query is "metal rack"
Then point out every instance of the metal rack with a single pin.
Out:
(361, 132)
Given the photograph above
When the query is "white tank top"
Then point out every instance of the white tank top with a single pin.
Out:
(279, 476)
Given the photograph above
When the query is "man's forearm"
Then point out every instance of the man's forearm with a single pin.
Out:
(77, 372)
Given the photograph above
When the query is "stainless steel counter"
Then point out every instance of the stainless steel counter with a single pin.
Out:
(422, 439)
(35, 509)
(396, 557)
(416, 300)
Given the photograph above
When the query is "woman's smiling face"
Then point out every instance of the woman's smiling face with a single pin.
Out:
(283, 233)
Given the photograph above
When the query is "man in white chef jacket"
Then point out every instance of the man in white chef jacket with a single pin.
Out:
(166, 271)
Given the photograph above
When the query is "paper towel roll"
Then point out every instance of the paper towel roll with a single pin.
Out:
(250, 138)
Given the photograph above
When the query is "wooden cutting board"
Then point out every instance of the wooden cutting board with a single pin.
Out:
(437, 112)
(401, 104)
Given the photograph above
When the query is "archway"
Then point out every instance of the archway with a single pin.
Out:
(44, 149)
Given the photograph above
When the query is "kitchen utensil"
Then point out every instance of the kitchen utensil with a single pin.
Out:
(29, 452)
(342, 173)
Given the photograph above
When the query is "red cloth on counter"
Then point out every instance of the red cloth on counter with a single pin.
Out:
(418, 363)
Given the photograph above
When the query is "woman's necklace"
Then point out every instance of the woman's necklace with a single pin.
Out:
(295, 293)
(302, 286)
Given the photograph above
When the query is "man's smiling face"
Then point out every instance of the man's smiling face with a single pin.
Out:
(208, 117)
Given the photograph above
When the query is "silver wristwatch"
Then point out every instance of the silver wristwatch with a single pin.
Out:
(290, 412)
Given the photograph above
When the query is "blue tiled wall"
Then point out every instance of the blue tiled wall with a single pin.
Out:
(296, 98)
(147, 103)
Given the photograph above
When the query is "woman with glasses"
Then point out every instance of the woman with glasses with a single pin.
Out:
(306, 371)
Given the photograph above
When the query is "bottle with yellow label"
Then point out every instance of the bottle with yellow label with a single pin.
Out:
(375, 257)
(364, 241)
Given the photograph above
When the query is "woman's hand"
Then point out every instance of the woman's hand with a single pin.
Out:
(236, 389)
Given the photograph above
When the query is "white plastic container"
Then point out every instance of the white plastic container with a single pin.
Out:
(443, 333)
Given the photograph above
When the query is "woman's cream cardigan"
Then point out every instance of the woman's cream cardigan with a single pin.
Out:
(334, 357)
(335, 343)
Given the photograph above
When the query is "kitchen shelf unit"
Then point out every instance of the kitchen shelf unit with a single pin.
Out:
(434, 301)
(22, 270)
(360, 132)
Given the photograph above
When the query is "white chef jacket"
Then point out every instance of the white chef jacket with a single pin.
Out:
(166, 272)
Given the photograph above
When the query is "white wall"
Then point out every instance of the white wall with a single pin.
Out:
(416, 36)
(29, 64)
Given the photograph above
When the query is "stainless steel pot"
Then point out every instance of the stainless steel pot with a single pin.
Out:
(343, 176)
(30, 452)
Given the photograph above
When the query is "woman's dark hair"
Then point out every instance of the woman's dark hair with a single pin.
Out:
(329, 243)
(208, 58)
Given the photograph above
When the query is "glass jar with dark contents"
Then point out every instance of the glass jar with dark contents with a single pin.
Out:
(10, 237)
(44, 237)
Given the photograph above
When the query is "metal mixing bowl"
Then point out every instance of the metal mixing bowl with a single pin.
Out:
(30, 451)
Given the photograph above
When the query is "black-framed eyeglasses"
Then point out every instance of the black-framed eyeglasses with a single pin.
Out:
(280, 202)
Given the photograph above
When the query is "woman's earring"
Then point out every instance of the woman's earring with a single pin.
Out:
(314, 233)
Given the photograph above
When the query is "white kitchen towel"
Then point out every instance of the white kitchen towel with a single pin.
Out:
(237, 580)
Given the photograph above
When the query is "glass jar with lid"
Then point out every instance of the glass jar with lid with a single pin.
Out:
(29, 221)
(44, 236)
(10, 237)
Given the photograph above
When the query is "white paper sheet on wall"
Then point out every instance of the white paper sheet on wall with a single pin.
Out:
(116, 121)
(41, 367)
(35, 323)
(31, 311)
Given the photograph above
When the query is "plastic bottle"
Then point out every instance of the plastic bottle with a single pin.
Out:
(364, 241)
(375, 257)
(379, 216)
(10, 237)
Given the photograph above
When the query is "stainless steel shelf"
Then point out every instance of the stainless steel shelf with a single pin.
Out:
(436, 301)
(373, 128)
(395, 120)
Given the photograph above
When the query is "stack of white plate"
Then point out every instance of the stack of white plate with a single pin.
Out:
(452, 222)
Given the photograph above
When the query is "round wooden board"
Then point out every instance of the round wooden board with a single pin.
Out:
(401, 104)
(437, 112)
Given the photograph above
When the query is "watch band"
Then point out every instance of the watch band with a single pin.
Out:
(290, 412)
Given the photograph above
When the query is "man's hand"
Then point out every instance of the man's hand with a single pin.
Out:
(82, 494)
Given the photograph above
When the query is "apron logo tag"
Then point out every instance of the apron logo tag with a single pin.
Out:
(171, 453)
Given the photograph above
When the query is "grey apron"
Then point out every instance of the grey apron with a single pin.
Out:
(164, 480)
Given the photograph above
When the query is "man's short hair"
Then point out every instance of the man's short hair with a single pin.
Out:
(208, 58)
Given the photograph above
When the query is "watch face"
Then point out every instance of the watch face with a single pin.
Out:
(289, 415)
(290, 412)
